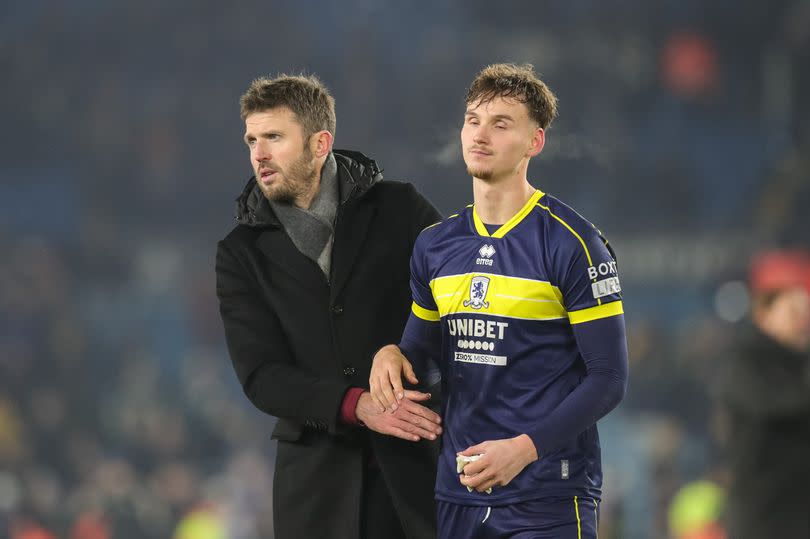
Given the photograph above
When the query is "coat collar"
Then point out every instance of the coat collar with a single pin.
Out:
(356, 174)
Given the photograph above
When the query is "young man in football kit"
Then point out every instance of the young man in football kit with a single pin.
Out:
(517, 302)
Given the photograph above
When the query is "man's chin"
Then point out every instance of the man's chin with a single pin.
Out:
(279, 196)
(481, 174)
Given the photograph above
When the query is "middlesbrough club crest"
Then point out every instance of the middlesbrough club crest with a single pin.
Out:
(478, 293)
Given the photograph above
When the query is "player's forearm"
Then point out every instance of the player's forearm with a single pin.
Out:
(421, 344)
(597, 395)
(603, 347)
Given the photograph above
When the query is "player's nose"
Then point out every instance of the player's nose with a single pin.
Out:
(480, 135)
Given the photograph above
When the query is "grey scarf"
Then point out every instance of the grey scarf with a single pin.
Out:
(312, 230)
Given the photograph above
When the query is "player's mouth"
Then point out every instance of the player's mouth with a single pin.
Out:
(479, 152)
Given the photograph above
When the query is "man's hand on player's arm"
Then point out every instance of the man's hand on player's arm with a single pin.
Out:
(500, 462)
(411, 421)
(385, 380)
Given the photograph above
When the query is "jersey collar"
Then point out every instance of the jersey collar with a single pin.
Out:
(511, 223)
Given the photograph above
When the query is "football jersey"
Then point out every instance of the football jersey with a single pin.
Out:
(506, 303)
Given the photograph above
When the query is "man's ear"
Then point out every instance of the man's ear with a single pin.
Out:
(537, 142)
(321, 143)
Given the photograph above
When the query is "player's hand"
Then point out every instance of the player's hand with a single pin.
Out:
(500, 462)
(385, 380)
(411, 421)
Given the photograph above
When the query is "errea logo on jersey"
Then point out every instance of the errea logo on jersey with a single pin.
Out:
(486, 252)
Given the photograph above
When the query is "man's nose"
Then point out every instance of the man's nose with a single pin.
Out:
(481, 134)
(261, 152)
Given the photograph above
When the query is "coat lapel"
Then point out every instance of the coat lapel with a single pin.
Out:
(353, 222)
(282, 253)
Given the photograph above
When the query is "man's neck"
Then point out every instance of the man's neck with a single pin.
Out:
(497, 202)
(304, 200)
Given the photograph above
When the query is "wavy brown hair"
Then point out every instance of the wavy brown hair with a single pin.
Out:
(518, 82)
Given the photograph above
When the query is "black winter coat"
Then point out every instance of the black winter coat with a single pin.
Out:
(298, 341)
(767, 396)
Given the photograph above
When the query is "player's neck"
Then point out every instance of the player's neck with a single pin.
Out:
(496, 203)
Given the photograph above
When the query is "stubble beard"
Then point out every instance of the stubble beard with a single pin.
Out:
(481, 174)
(294, 182)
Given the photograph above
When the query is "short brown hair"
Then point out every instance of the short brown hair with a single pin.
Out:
(305, 95)
(518, 82)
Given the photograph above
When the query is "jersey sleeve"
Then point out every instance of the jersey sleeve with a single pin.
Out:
(421, 338)
(603, 347)
(586, 272)
(424, 306)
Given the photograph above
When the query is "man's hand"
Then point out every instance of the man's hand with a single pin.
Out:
(500, 462)
(385, 380)
(411, 421)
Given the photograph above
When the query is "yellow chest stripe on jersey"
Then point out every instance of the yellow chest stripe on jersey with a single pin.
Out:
(498, 295)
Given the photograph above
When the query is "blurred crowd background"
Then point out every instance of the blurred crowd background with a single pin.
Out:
(684, 135)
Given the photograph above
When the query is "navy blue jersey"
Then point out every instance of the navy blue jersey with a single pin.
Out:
(507, 303)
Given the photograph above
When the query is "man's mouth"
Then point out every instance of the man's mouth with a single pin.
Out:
(267, 174)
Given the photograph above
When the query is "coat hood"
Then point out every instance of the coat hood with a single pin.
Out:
(356, 175)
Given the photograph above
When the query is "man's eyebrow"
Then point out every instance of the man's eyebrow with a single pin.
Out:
(504, 117)
(267, 133)
(496, 117)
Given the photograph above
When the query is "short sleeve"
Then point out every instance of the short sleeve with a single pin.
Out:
(587, 273)
(424, 306)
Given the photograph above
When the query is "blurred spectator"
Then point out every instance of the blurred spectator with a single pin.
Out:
(201, 523)
(91, 525)
(766, 390)
(696, 511)
(30, 530)
(689, 65)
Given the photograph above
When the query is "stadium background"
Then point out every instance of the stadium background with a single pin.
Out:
(683, 134)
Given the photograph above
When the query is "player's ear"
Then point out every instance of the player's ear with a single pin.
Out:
(537, 142)
(321, 143)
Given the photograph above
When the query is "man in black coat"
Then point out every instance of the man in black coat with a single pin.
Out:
(311, 282)
(767, 397)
